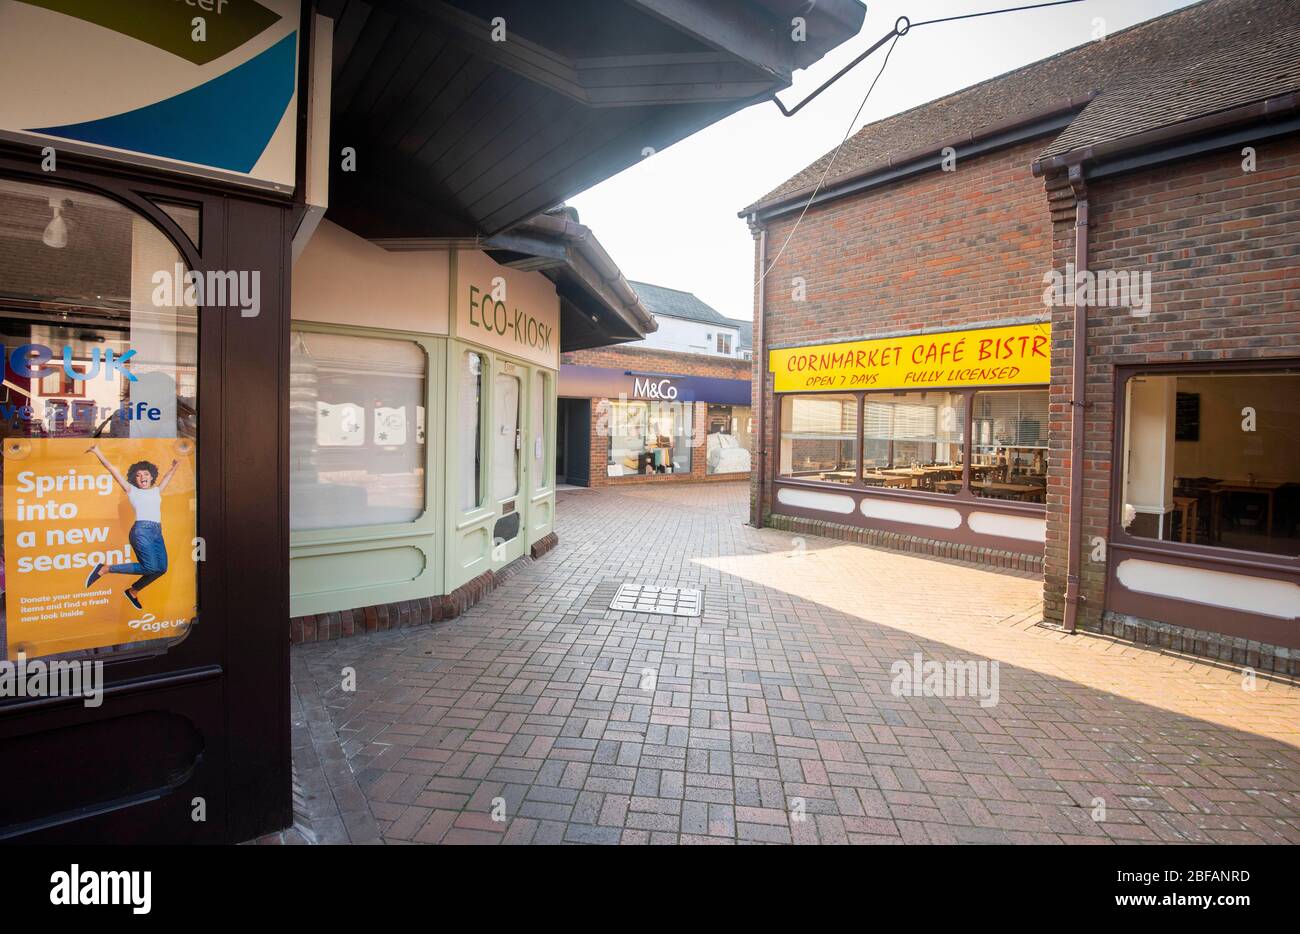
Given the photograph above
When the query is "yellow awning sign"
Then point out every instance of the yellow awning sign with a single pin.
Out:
(1019, 355)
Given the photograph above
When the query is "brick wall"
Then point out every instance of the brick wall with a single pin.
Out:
(657, 361)
(941, 250)
(1222, 247)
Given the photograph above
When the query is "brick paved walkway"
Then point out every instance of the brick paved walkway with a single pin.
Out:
(775, 705)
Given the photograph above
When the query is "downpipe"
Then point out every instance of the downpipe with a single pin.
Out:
(1078, 391)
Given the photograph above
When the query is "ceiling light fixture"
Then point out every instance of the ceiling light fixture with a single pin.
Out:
(56, 231)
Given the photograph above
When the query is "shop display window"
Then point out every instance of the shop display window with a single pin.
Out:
(819, 437)
(649, 438)
(470, 453)
(99, 418)
(913, 440)
(727, 437)
(1213, 458)
(921, 442)
(357, 432)
(541, 427)
(1009, 445)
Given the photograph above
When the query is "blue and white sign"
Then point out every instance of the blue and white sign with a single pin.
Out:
(204, 86)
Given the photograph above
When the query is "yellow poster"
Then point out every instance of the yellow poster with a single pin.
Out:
(1019, 355)
(99, 542)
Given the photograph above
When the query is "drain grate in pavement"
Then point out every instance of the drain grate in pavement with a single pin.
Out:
(670, 601)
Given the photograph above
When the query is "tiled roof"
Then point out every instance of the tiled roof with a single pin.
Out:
(1258, 61)
(673, 303)
(746, 329)
(1197, 60)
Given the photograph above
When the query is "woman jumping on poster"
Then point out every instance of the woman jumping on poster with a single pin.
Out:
(145, 494)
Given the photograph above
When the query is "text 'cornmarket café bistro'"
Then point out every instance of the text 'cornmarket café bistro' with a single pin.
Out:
(229, 418)
(942, 435)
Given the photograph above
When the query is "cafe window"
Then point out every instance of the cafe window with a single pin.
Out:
(913, 440)
(649, 438)
(1210, 459)
(357, 447)
(98, 424)
(819, 437)
(1009, 445)
(728, 431)
(470, 450)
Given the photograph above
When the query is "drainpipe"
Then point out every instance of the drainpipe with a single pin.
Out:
(1078, 391)
(760, 360)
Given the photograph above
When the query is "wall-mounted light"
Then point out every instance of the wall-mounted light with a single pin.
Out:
(56, 231)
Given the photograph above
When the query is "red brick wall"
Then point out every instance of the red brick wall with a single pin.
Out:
(1221, 245)
(941, 250)
(660, 361)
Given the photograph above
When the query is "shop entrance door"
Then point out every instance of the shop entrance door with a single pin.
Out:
(507, 464)
(167, 583)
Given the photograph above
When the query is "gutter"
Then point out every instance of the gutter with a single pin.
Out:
(1271, 108)
(994, 136)
(608, 274)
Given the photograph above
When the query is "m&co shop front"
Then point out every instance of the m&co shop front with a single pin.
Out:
(938, 440)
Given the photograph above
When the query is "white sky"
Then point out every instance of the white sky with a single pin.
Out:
(671, 219)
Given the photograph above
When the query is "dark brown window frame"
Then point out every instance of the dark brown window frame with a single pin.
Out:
(1215, 555)
(965, 495)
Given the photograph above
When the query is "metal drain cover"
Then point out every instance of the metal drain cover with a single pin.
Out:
(670, 601)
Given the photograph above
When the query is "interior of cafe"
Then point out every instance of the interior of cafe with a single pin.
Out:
(918, 441)
(1213, 458)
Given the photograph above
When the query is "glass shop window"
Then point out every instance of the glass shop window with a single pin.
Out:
(649, 438)
(819, 437)
(539, 429)
(470, 454)
(913, 440)
(727, 439)
(98, 418)
(1009, 445)
(506, 436)
(356, 443)
(1210, 458)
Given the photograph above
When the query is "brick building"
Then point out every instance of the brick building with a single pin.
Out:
(640, 413)
(920, 386)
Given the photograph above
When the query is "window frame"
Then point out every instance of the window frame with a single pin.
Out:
(965, 495)
(434, 347)
(676, 406)
(1209, 555)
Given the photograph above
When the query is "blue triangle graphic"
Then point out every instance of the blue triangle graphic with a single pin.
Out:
(225, 123)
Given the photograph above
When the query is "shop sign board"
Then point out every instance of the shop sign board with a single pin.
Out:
(1018, 355)
(207, 87)
(591, 382)
(511, 316)
(66, 513)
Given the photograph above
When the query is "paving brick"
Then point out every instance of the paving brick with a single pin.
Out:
(781, 690)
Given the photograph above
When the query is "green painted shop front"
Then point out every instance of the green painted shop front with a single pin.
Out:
(422, 422)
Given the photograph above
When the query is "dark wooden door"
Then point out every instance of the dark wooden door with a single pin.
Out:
(202, 729)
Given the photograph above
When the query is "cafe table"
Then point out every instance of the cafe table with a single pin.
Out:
(1264, 488)
(1027, 492)
(890, 478)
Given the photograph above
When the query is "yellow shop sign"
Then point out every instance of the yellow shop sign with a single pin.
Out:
(1009, 356)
